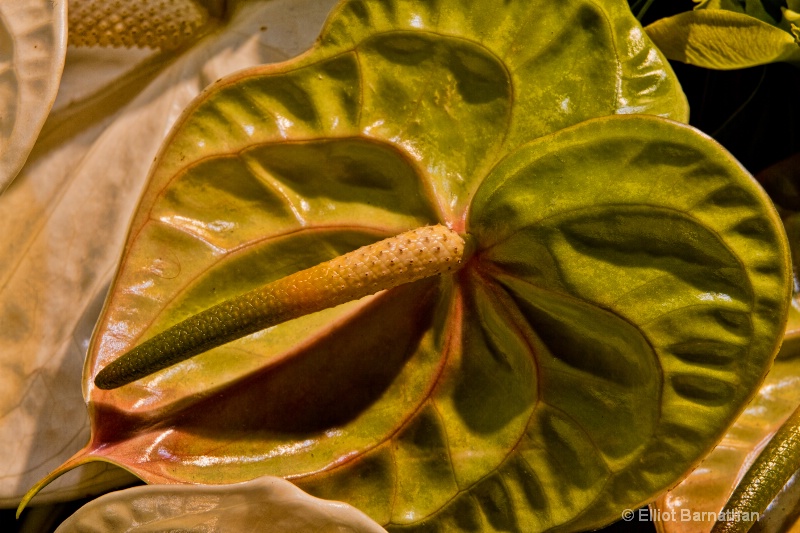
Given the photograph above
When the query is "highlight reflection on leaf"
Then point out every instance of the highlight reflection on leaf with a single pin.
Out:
(708, 488)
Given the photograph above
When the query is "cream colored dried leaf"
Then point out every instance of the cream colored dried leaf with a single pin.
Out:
(32, 47)
(264, 504)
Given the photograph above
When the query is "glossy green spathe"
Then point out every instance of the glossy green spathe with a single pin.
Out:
(626, 296)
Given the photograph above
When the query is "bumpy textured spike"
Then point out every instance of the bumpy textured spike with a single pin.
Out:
(408, 257)
(762, 482)
(164, 24)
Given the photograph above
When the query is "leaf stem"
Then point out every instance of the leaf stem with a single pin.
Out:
(407, 257)
(764, 479)
(743, 104)
(640, 15)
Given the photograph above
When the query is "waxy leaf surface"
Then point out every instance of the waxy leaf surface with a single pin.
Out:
(709, 486)
(628, 288)
(782, 13)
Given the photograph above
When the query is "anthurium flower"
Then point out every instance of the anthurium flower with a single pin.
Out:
(624, 294)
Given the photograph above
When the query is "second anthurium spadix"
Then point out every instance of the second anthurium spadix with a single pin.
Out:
(623, 293)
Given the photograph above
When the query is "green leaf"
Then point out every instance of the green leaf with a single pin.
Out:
(759, 9)
(722, 40)
(780, 13)
(708, 488)
(662, 248)
(524, 392)
(266, 503)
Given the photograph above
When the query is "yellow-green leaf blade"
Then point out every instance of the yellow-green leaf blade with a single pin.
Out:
(673, 238)
(486, 56)
(706, 490)
(722, 40)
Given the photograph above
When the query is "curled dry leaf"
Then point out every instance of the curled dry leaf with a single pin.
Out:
(33, 38)
(64, 224)
(470, 398)
(263, 504)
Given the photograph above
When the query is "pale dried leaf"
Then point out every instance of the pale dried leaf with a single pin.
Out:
(32, 45)
(264, 504)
